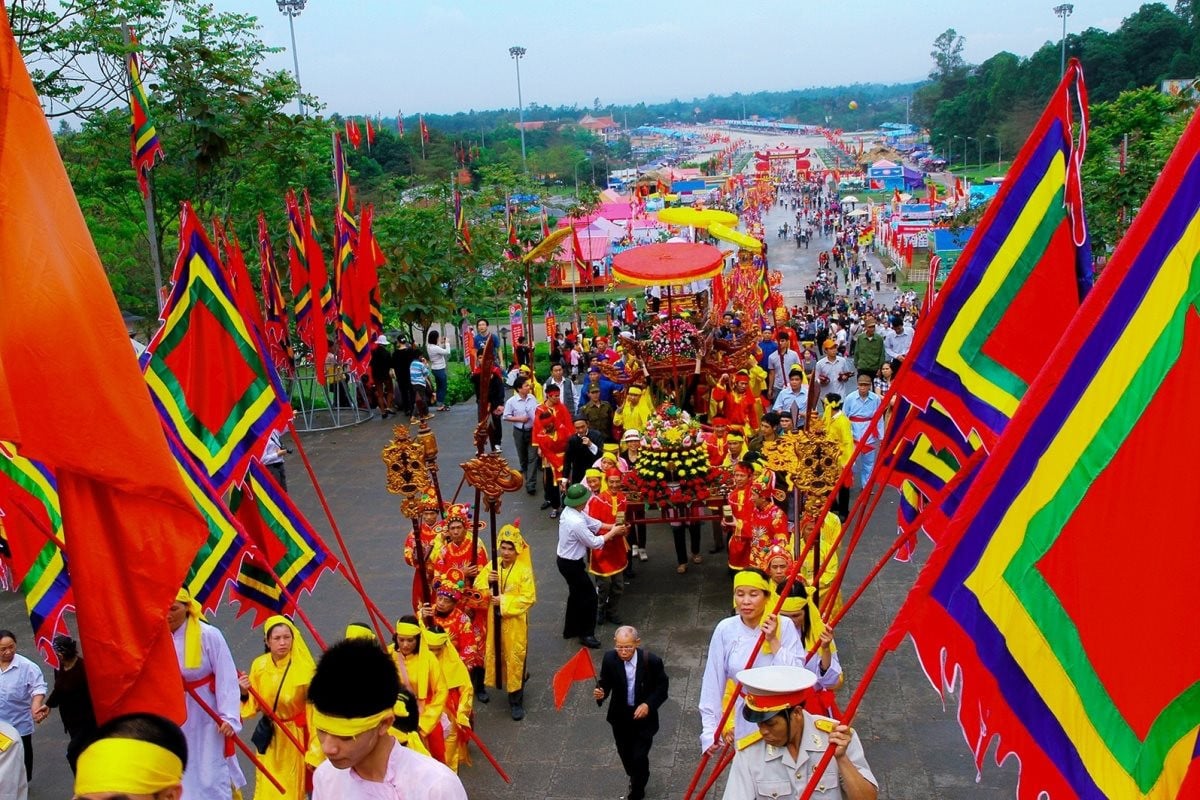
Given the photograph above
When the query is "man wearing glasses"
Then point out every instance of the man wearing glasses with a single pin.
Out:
(638, 683)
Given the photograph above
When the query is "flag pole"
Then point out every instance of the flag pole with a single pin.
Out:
(148, 199)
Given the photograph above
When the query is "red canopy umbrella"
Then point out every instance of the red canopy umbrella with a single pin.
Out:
(668, 263)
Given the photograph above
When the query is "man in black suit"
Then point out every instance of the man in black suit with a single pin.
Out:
(638, 683)
(583, 448)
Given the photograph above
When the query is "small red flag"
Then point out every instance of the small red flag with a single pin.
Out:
(370, 133)
(353, 135)
(578, 668)
(424, 129)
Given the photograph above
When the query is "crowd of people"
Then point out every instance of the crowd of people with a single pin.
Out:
(401, 712)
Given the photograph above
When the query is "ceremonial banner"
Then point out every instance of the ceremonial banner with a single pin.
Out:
(31, 524)
(1011, 294)
(369, 257)
(1020, 603)
(345, 227)
(314, 259)
(461, 230)
(286, 546)
(209, 382)
(275, 317)
(516, 322)
(310, 321)
(217, 560)
(132, 529)
(143, 138)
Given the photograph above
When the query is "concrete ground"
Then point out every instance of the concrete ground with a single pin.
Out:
(914, 746)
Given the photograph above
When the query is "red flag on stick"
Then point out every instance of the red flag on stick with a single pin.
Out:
(131, 528)
(578, 668)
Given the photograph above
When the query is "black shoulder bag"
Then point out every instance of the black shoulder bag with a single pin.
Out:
(264, 731)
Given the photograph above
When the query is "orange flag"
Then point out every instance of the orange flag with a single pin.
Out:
(131, 529)
(578, 668)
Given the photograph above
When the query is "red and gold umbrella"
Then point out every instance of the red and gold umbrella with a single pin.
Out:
(669, 263)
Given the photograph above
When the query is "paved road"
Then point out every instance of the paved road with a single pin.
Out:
(914, 746)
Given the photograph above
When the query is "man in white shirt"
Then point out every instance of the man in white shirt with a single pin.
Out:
(520, 410)
(896, 343)
(832, 373)
(354, 698)
(565, 387)
(577, 534)
(22, 694)
(780, 363)
(792, 401)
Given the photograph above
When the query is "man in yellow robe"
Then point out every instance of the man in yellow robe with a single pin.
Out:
(513, 594)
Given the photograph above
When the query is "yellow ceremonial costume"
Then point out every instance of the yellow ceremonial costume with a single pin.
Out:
(518, 593)
(635, 412)
(838, 425)
(831, 529)
(289, 681)
(426, 681)
(460, 696)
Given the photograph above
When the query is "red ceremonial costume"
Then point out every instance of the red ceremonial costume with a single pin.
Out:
(613, 557)
(551, 431)
(737, 405)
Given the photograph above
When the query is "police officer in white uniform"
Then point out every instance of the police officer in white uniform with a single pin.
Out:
(793, 741)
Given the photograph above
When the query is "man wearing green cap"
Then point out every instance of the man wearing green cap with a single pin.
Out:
(793, 742)
(578, 533)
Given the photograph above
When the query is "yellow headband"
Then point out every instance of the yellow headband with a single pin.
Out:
(356, 630)
(192, 655)
(794, 605)
(434, 639)
(407, 629)
(126, 766)
(348, 726)
(751, 580)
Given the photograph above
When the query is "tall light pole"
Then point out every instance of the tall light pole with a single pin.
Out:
(1064, 11)
(517, 52)
(956, 136)
(998, 159)
(291, 9)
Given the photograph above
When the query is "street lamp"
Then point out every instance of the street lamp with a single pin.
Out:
(956, 136)
(504, 346)
(979, 142)
(1064, 11)
(291, 9)
(998, 159)
(517, 54)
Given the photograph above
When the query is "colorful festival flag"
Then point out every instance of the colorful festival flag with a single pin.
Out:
(1014, 290)
(31, 525)
(132, 529)
(217, 559)
(314, 256)
(204, 366)
(370, 134)
(424, 129)
(345, 227)
(275, 316)
(143, 137)
(1020, 603)
(461, 228)
(369, 257)
(310, 322)
(287, 549)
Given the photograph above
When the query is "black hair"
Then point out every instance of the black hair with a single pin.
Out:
(411, 721)
(144, 727)
(7, 634)
(520, 381)
(354, 678)
(411, 620)
(771, 418)
(833, 397)
(483, 320)
(433, 337)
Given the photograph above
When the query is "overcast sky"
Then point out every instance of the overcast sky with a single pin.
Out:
(442, 56)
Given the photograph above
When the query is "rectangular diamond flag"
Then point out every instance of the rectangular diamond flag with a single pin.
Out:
(31, 523)
(1012, 293)
(345, 227)
(275, 314)
(132, 529)
(310, 321)
(287, 548)
(1020, 602)
(143, 138)
(204, 368)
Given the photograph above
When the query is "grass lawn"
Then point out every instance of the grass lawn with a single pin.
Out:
(977, 174)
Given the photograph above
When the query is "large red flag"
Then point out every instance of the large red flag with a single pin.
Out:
(132, 530)
(578, 668)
